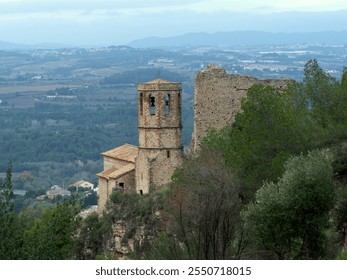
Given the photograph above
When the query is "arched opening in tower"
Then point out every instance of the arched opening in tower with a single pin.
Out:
(152, 105)
(167, 104)
(141, 104)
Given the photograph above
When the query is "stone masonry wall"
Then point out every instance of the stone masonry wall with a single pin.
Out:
(217, 99)
(113, 163)
(106, 186)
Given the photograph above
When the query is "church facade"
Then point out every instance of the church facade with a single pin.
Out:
(134, 169)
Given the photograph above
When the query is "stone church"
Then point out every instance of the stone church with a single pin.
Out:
(217, 99)
(150, 165)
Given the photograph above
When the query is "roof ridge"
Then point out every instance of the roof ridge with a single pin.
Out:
(126, 152)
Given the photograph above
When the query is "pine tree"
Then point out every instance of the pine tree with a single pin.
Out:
(9, 231)
(6, 192)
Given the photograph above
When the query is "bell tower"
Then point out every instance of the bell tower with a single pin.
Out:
(160, 133)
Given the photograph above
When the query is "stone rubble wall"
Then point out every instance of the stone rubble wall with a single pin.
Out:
(217, 99)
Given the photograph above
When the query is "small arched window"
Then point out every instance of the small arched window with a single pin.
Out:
(179, 103)
(152, 105)
(167, 104)
(141, 103)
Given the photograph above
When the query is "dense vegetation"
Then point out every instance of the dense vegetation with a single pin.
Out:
(273, 185)
(143, 75)
(63, 134)
(36, 232)
(287, 153)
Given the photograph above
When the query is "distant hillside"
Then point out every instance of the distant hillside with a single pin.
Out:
(9, 46)
(14, 46)
(142, 75)
(242, 38)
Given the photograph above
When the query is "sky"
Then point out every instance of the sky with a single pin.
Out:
(114, 22)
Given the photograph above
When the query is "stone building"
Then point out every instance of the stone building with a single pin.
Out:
(119, 173)
(151, 165)
(217, 100)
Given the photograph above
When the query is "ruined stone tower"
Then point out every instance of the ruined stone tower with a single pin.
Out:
(160, 148)
(217, 99)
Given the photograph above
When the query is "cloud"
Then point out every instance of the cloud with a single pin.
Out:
(268, 6)
(56, 5)
(74, 21)
(85, 8)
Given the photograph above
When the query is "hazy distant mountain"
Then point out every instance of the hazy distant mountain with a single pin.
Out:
(9, 46)
(242, 38)
(14, 46)
(233, 38)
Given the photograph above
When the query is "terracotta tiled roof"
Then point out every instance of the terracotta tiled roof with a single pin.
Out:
(105, 174)
(126, 152)
(114, 173)
(122, 171)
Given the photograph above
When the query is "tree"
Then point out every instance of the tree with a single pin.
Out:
(340, 210)
(91, 198)
(10, 231)
(272, 126)
(319, 89)
(289, 219)
(94, 236)
(6, 192)
(204, 213)
(51, 238)
(325, 99)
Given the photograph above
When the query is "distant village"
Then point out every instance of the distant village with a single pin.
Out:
(61, 192)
